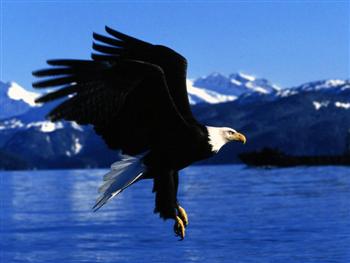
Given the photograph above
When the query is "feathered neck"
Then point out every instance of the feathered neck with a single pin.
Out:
(217, 138)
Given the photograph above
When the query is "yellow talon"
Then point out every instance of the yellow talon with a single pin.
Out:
(179, 228)
(182, 214)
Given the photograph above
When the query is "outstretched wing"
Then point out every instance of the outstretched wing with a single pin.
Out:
(118, 45)
(127, 101)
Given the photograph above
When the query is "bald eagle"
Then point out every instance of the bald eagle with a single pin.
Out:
(134, 95)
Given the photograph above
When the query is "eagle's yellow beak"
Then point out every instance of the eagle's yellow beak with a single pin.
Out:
(238, 137)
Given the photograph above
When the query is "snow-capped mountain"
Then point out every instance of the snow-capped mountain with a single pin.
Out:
(29, 141)
(324, 86)
(216, 88)
(15, 100)
(269, 116)
(203, 95)
(19, 110)
(327, 93)
(310, 119)
(318, 88)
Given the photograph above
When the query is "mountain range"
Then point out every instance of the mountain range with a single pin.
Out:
(312, 118)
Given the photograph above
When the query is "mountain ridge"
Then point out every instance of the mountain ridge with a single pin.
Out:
(301, 119)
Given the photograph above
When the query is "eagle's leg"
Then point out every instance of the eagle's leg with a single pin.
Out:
(180, 210)
(165, 186)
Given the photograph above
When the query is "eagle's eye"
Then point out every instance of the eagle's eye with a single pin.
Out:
(230, 132)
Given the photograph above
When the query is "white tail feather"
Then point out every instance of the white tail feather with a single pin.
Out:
(123, 174)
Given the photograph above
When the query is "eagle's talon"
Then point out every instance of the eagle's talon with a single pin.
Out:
(182, 214)
(179, 228)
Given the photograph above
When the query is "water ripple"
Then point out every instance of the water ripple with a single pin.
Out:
(236, 215)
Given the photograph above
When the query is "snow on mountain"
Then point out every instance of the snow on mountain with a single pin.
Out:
(322, 88)
(324, 85)
(320, 104)
(319, 88)
(16, 92)
(43, 126)
(338, 104)
(331, 85)
(343, 105)
(19, 111)
(268, 115)
(214, 88)
(197, 95)
(220, 84)
(15, 100)
(235, 84)
(320, 109)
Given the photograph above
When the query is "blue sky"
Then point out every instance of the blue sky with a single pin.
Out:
(287, 42)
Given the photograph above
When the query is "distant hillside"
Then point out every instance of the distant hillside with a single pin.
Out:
(217, 88)
(313, 118)
(14, 99)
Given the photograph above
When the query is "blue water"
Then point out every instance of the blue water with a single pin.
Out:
(236, 215)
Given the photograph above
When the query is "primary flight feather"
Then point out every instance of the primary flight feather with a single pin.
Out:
(134, 94)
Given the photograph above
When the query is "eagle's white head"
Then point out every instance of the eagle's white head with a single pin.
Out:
(219, 136)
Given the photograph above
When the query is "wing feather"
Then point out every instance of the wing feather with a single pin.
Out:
(127, 101)
(132, 92)
(119, 45)
(62, 92)
(52, 71)
(106, 49)
(107, 40)
(53, 82)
